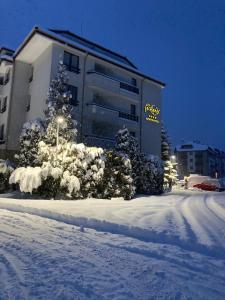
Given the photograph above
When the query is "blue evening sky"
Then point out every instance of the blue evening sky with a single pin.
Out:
(180, 42)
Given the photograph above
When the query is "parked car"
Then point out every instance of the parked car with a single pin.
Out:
(214, 185)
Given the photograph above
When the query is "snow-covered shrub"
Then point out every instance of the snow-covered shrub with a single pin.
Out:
(117, 180)
(82, 167)
(31, 135)
(6, 168)
(33, 179)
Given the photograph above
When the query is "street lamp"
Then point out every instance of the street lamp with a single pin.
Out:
(173, 158)
(59, 120)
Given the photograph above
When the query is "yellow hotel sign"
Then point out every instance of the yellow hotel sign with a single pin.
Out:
(153, 113)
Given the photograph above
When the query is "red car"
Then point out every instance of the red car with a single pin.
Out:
(213, 185)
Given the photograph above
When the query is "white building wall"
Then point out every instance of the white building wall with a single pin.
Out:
(38, 87)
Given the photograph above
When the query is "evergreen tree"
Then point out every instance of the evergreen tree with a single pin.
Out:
(128, 145)
(117, 180)
(58, 106)
(31, 135)
(170, 172)
(152, 176)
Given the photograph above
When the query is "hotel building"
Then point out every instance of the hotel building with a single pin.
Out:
(108, 91)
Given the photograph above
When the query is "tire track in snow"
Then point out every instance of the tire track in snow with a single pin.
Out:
(11, 278)
(204, 244)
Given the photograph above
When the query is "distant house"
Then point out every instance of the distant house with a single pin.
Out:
(108, 91)
(195, 158)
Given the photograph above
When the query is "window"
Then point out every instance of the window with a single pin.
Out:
(133, 109)
(134, 81)
(2, 132)
(73, 90)
(4, 105)
(71, 62)
(7, 77)
(31, 75)
(28, 103)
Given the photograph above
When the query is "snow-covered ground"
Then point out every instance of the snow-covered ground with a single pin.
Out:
(158, 247)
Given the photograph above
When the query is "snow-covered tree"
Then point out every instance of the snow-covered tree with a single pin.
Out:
(31, 135)
(59, 108)
(152, 176)
(128, 145)
(146, 173)
(170, 172)
(117, 180)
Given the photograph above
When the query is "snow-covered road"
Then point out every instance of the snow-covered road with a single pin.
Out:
(168, 247)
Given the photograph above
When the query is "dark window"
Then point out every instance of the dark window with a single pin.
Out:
(31, 75)
(71, 62)
(7, 77)
(4, 105)
(134, 81)
(2, 132)
(28, 103)
(133, 109)
(74, 92)
(132, 133)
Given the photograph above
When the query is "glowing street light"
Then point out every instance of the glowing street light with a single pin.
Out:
(59, 120)
(173, 158)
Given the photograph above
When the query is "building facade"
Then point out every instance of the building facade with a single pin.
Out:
(194, 158)
(108, 91)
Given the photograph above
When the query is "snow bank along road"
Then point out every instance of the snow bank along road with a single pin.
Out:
(167, 247)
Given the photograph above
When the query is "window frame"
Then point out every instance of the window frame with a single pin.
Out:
(69, 66)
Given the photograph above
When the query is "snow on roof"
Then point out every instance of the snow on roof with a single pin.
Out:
(194, 146)
(87, 48)
(191, 146)
(93, 46)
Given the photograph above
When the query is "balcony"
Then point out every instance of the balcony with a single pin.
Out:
(113, 85)
(99, 141)
(108, 113)
(128, 116)
(128, 87)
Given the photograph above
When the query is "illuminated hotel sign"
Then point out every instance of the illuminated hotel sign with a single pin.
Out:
(153, 113)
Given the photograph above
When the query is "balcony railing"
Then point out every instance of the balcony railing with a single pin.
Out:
(128, 116)
(100, 141)
(121, 114)
(123, 85)
(128, 87)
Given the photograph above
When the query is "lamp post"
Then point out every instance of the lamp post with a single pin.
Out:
(59, 120)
